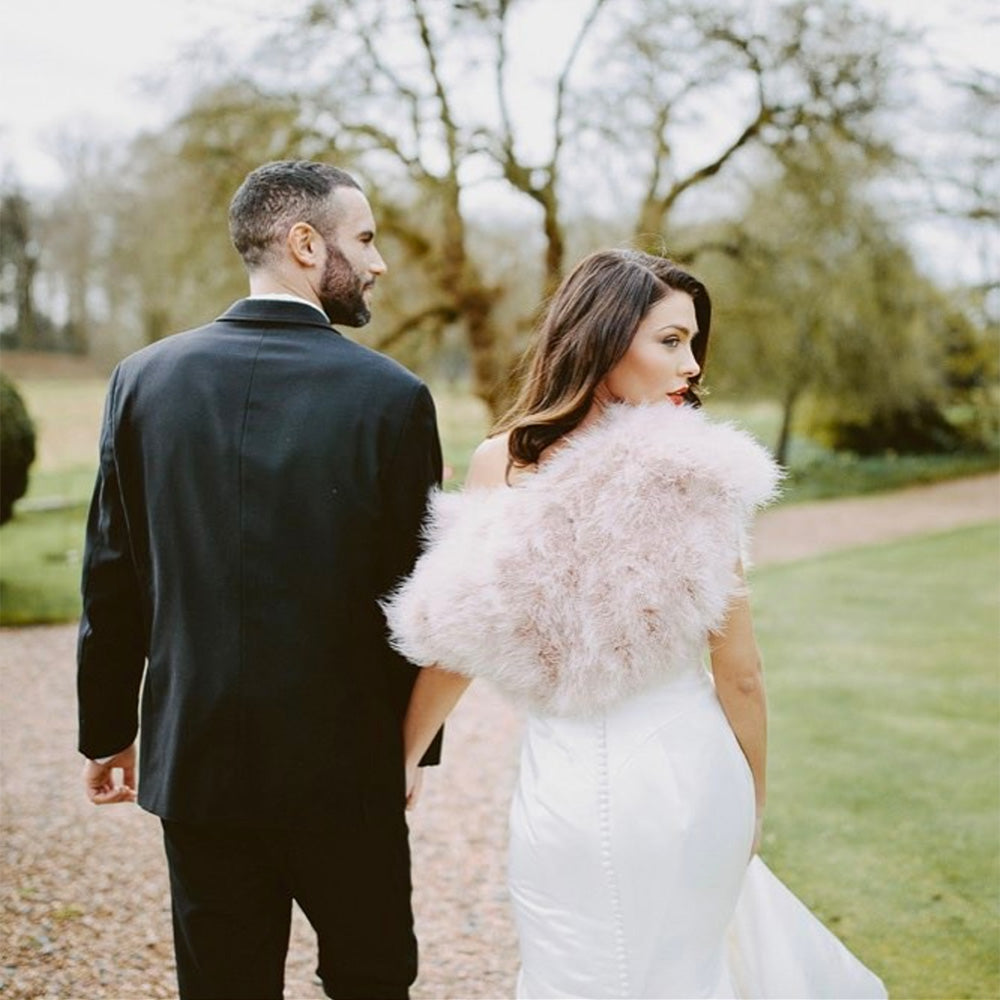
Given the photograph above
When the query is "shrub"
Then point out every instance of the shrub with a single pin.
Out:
(919, 429)
(17, 447)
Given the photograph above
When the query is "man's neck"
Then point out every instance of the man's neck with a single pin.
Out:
(269, 284)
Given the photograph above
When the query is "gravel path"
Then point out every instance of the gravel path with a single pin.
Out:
(85, 905)
(808, 529)
(84, 902)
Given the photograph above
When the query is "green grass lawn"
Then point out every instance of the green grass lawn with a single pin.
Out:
(40, 549)
(884, 799)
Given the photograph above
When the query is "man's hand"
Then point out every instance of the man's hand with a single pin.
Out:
(99, 779)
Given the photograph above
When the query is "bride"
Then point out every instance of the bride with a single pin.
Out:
(593, 557)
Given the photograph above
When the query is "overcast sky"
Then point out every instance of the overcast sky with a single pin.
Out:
(86, 68)
(66, 63)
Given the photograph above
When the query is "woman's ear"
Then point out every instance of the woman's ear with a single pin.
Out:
(304, 244)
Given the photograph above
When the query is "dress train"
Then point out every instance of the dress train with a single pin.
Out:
(630, 833)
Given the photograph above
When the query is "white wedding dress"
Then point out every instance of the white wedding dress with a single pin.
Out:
(587, 594)
(629, 838)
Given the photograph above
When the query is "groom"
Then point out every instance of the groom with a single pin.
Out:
(262, 481)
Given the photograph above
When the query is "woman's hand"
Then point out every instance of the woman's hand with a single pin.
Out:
(435, 693)
(414, 784)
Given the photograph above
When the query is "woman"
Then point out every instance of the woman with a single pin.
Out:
(592, 558)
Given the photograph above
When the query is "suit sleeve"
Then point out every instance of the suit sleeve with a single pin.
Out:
(416, 468)
(111, 649)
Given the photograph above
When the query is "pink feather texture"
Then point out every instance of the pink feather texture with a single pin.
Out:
(592, 579)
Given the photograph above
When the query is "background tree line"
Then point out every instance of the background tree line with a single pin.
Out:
(760, 144)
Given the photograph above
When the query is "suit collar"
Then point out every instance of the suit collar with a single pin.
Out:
(279, 311)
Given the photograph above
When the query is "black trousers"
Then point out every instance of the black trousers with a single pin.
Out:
(232, 892)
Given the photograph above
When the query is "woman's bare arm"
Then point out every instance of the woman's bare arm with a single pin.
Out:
(739, 684)
(437, 691)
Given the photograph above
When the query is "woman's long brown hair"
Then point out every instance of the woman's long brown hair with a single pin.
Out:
(585, 332)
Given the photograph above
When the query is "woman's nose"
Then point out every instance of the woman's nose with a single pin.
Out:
(691, 368)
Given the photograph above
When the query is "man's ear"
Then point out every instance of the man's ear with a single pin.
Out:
(304, 244)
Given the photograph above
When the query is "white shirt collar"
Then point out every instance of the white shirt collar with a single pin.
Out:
(287, 297)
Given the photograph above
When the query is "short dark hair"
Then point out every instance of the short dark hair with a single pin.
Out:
(274, 197)
(587, 328)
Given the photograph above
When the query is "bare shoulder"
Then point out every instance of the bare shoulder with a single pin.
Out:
(488, 466)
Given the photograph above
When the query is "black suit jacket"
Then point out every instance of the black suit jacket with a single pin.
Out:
(262, 481)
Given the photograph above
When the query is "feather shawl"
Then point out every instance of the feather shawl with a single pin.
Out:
(595, 577)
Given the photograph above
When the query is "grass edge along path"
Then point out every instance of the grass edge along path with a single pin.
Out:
(882, 670)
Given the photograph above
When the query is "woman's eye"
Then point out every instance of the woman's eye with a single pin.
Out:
(671, 341)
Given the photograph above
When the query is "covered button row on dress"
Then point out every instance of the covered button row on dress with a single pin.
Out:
(607, 862)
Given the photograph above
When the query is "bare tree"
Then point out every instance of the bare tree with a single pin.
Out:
(801, 72)
(642, 104)
(77, 235)
(965, 184)
(18, 267)
(171, 264)
(417, 94)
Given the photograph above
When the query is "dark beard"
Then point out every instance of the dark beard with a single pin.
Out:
(341, 292)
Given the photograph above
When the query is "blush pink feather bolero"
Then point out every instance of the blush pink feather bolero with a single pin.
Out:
(593, 578)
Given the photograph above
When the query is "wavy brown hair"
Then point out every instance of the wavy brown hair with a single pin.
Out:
(586, 330)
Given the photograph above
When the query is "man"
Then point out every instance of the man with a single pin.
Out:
(262, 482)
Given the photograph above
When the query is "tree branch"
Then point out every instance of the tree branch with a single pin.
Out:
(405, 91)
(507, 132)
(447, 119)
(383, 140)
(442, 311)
(657, 208)
(563, 80)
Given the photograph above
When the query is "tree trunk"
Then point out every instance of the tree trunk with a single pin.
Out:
(489, 370)
(27, 328)
(787, 410)
(78, 327)
(154, 324)
(555, 243)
